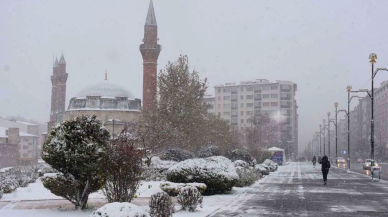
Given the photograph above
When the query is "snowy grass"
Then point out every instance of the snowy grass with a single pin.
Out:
(36, 191)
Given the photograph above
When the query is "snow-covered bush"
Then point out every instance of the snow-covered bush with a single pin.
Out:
(209, 151)
(189, 198)
(176, 154)
(77, 149)
(156, 171)
(218, 173)
(272, 165)
(240, 163)
(1, 193)
(248, 176)
(263, 170)
(173, 189)
(161, 205)
(119, 210)
(9, 184)
(123, 166)
(239, 154)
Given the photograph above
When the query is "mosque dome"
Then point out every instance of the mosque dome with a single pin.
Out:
(104, 96)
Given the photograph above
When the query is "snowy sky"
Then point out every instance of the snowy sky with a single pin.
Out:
(321, 45)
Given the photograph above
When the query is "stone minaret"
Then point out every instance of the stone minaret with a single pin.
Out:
(150, 50)
(58, 92)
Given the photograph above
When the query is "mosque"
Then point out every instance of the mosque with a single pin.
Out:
(112, 104)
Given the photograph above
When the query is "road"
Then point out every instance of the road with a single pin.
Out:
(297, 190)
(357, 167)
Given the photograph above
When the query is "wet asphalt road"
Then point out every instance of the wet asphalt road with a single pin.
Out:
(297, 190)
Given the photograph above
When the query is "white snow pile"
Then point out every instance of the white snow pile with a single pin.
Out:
(173, 189)
(218, 173)
(119, 210)
(240, 163)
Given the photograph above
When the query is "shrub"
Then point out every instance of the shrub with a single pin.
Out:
(239, 154)
(176, 154)
(67, 186)
(189, 198)
(264, 170)
(156, 171)
(123, 169)
(119, 210)
(272, 165)
(248, 176)
(209, 151)
(1, 193)
(173, 189)
(240, 163)
(77, 149)
(218, 173)
(9, 184)
(161, 205)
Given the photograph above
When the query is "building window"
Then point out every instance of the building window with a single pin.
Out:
(30, 143)
(25, 147)
(242, 88)
(249, 88)
(274, 96)
(265, 96)
(249, 112)
(226, 97)
(249, 96)
(226, 105)
(226, 113)
(219, 90)
(265, 104)
(242, 97)
(242, 121)
(242, 112)
(25, 155)
(242, 105)
(274, 103)
(226, 90)
(25, 139)
(265, 87)
(274, 87)
(249, 105)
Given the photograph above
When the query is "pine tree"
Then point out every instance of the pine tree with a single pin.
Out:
(76, 148)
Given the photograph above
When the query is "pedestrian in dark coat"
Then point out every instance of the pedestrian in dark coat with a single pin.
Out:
(325, 168)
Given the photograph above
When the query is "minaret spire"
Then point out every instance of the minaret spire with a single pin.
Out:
(151, 18)
(106, 75)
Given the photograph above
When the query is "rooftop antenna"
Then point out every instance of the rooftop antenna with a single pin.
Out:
(106, 75)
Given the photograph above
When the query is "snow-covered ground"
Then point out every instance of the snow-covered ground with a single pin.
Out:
(36, 192)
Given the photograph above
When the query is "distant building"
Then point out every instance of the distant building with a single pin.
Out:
(242, 105)
(14, 143)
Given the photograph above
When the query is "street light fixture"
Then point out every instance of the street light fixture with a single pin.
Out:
(328, 131)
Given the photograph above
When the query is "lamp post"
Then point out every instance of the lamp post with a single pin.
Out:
(324, 137)
(320, 140)
(328, 131)
(336, 133)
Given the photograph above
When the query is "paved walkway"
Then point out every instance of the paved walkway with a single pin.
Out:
(297, 190)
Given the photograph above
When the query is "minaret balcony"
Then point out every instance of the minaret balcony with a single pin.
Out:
(150, 47)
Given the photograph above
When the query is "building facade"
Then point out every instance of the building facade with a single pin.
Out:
(245, 104)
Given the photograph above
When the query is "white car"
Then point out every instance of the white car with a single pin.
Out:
(366, 165)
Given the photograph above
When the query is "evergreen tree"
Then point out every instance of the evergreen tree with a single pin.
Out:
(76, 148)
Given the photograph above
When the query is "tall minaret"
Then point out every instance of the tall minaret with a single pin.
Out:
(150, 50)
(58, 92)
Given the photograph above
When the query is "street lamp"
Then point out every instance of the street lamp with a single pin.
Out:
(324, 137)
(336, 133)
(328, 131)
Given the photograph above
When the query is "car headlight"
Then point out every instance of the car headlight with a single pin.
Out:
(377, 164)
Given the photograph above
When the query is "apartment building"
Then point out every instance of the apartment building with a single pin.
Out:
(243, 104)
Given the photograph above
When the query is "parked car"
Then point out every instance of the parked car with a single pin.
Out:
(360, 160)
(341, 160)
(366, 165)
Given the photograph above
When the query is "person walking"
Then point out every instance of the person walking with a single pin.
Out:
(325, 168)
(314, 161)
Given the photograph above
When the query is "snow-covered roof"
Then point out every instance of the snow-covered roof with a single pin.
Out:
(105, 89)
(275, 149)
(26, 123)
(4, 135)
